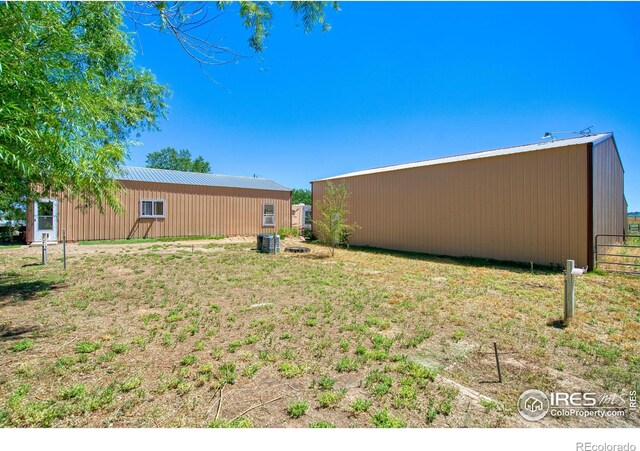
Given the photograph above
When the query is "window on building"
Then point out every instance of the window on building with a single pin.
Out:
(152, 208)
(268, 215)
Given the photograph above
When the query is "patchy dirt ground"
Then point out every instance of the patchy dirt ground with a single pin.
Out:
(213, 333)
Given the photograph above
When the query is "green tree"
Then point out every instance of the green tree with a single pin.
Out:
(332, 227)
(170, 158)
(301, 196)
(71, 97)
(200, 165)
(11, 212)
(191, 23)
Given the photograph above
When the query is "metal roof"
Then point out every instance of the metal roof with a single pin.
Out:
(485, 154)
(138, 174)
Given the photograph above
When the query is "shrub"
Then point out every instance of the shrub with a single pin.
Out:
(360, 405)
(288, 231)
(330, 398)
(458, 334)
(346, 365)
(22, 345)
(290, 370)
(406, 396)
(227, 373)
(418, 339)
(240, 422)
(322, 424)
(382, 419)
(378, 382)
(87, 347)
(131, 384)
(381, 342)
(445, 407)
(297, 408)
(309, 235)
(188, 360)
(326, 382)
(76, 391)
(432, 413)
(334, 230)
(250, 370)
(119, 348)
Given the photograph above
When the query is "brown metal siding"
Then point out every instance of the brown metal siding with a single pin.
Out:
(523, 207)
(609, 209)
(189, 211)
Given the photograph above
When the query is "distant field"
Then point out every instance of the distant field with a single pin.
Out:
(220, 335)
(634, 224)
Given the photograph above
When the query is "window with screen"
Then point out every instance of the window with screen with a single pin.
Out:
(152, 208)
(268, 215)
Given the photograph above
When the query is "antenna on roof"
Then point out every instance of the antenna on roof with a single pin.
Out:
(584, 132)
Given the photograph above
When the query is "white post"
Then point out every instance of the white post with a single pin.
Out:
(569, 291)
(64, 249)
(45, 237)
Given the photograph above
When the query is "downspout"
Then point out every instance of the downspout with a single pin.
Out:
(590, 236)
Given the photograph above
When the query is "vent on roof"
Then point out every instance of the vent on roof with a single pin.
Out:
(584, 132)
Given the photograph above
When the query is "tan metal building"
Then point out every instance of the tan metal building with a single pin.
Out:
(301, 216)
(541, 203)
(163, 203)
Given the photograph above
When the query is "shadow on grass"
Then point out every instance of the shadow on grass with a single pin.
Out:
(461, 261)
(16, 333)
(13, 292)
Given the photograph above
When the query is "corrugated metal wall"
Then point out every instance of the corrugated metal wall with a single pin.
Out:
(189, 210)
(523, 207)
(297, 215)
(609, 205)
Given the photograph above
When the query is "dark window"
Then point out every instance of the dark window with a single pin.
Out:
(268, 215)
(152, 208)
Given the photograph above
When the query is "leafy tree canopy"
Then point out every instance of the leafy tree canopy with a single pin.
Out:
(71, 96)
(170, 158)
(301, 196)
(191, 23)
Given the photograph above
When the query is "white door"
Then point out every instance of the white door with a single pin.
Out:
(46, 220)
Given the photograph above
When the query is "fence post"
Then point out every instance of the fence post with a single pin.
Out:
(495, 350)
(569, 292)
(64, 249)
(45, 237)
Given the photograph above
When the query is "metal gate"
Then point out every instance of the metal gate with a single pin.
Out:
(618, 253)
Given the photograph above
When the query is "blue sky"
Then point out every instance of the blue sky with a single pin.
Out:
(398, 82)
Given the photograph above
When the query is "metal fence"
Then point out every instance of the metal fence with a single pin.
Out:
(634, 227)
(618, 253)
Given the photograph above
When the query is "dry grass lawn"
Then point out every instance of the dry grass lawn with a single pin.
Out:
(215, 334)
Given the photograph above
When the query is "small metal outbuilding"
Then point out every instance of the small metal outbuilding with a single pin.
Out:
(542, 203)
(165, 203)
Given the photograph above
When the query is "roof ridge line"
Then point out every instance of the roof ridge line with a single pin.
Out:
(192, 172)
(457, 157)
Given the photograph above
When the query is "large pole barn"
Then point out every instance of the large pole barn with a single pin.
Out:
(542, 203)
